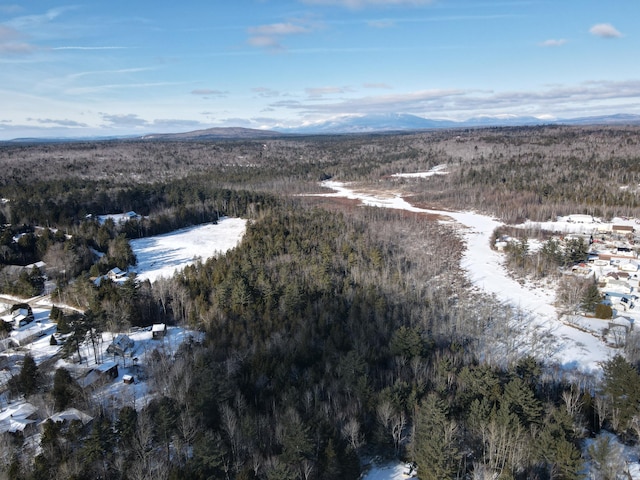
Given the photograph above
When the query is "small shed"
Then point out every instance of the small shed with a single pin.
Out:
(158, 330)
(108, 369)
(128, 379)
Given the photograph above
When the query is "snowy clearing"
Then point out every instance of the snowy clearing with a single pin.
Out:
(546, 336)
(388, 471)
(163, 255)
(437, 170)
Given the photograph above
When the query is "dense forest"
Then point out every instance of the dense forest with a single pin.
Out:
(332, 334)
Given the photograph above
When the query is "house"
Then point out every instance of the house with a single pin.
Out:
(69, 415)
(99, 375)
(20, 338)
(22, 314)
(108, 369)
(115, 274)
(120, 345)
(17, 418)
(158, 331)
(622, 229)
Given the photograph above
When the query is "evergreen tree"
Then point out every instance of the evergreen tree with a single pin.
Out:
(28, 378)
(520, 400)
(561, 456)
(435, 443)
(621, 388)
(63, 389)
(575, 251)
(590, 298)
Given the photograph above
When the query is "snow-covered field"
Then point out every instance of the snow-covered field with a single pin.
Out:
(437, 170)
(163, 255)
(564, 345)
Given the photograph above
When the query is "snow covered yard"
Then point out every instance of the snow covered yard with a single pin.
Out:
(163, 255)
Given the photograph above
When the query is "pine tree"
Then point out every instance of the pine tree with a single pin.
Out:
(28, 379)
(63, 388)
(435, 443)
(621, 387)
(590, 298)
(561, 456)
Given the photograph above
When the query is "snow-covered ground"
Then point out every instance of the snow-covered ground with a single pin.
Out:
(388, 471)
(569, 347)
(163, 255)
(437, 170)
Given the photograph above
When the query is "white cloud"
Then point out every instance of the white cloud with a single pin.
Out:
(124, 120)
(36, 21)
(265, 92)
(269, 36)
(377, 85)
(263, 41)
(605, 30)
(60, 123)
(277, 29)
(321, 91)
(553, 42)
(209, 92)
(594, 95)
(89, 48)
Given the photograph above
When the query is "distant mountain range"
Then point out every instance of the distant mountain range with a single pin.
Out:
(375, 123)
(406, 122)
(214, 134)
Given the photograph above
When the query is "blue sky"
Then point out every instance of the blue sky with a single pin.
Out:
(134, 67)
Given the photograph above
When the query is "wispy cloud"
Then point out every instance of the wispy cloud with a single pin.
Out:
(355, 4)
(89, 48)
(119, 71)
(605, 30)
(59, 123)
(178, 123)
(469, 102)
(321, 91)
(553, 42)
(208, 92)
(270, 36)
(12, 41)
(124, 120)
(35, 21)
(11, 9)
(381, 23)
(377, 85)
(277, 29)
(265, 92)
(118, 86)
(413, 101)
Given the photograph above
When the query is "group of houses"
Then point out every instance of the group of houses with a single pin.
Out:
(20, 416)
(614, 264)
